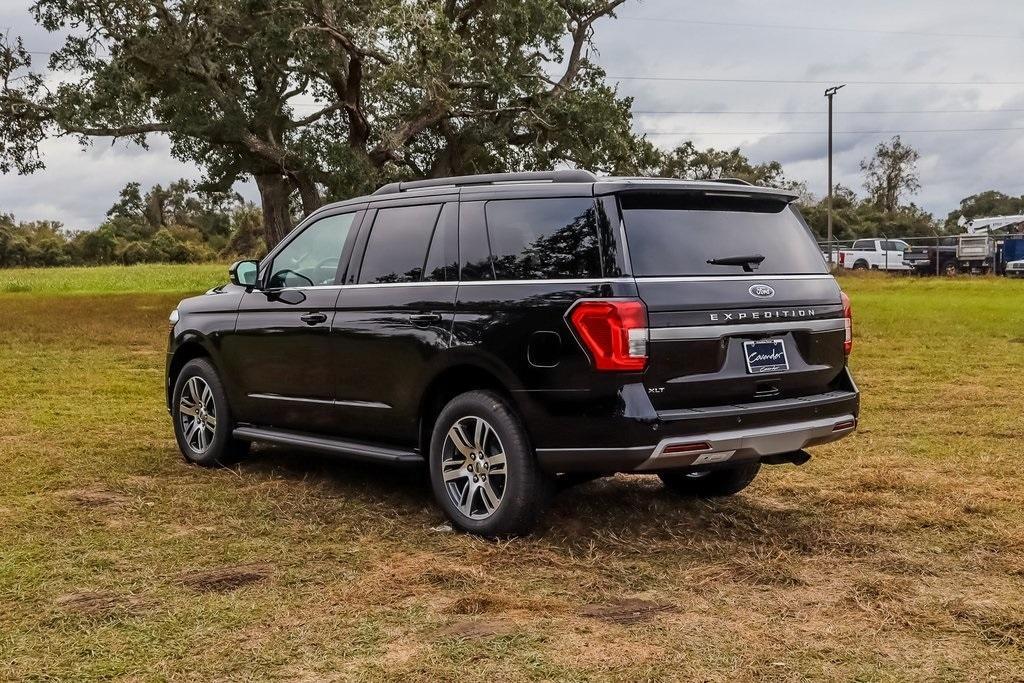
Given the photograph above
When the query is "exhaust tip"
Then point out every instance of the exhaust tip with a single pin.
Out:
(792, 458)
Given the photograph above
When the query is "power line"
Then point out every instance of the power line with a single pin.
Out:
(829, 29)
(652, 112)
(819, 132)
(697, 79)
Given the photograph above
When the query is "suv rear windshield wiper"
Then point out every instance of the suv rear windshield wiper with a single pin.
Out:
(749, 263)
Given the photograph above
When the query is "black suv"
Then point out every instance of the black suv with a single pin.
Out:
(510, 330)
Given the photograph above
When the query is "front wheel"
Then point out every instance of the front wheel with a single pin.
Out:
(483, 470)
(711, 483)
(202, 417)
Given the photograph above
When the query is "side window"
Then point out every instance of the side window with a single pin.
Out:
(311, 259)
(398, 242)
(544, 239)
(443, 256)
(863, 245)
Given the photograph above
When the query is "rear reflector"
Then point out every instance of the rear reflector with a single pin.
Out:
(687, 447)
(613, 331)
(846, 424)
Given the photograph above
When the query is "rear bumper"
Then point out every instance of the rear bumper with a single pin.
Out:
(745, 444)
(708, 436)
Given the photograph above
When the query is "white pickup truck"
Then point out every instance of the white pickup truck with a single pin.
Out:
(874, 255)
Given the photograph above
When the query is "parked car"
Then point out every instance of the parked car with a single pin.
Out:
(1015, 268)
(875, 254)
(506, 330)
(931, 259)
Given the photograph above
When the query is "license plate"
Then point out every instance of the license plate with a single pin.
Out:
(765, 355)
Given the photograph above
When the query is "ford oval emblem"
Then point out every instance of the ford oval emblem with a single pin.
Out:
(761, 291)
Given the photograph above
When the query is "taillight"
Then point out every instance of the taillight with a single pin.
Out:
(613, 331)
(848, 315)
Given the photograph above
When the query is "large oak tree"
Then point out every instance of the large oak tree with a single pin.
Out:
(319, 99)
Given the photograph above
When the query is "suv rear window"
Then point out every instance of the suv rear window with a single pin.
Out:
(676, 233)
(544, 239)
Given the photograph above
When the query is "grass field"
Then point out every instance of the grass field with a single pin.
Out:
(896, 554)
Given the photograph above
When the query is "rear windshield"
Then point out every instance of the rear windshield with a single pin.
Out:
(676, 233)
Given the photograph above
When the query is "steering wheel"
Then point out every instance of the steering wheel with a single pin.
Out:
(281, 278)
(329, 262)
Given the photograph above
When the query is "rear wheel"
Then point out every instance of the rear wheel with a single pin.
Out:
(950, 269)
(860, 265)
(202, 417)
(482, 468)
(711, 483)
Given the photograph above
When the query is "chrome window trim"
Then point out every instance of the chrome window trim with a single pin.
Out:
(563, 281)
(557, 281)
(461, 283)
(719, 331)
(731, 278)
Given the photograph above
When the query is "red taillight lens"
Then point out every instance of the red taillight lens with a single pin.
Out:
(613, 331)
(848, 315)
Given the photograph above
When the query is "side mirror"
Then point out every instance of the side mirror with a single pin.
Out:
(244, 273)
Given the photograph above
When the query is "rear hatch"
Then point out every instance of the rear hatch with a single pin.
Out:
(723, 330)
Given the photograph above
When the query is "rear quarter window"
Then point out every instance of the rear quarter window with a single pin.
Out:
(544, 239)
(676, 234)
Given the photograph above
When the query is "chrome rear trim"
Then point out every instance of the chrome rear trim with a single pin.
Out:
(749, 443)
(719, 331)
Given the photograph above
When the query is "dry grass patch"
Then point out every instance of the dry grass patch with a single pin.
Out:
(897, 554)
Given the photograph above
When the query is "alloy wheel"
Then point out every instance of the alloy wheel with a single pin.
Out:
(198, 414)
(473, 466)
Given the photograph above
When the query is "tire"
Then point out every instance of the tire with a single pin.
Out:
(860, 265)
(711, 483)
(482, 422)
(199, 388)
(950, 269)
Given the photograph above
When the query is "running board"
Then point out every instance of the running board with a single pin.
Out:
(355, 450)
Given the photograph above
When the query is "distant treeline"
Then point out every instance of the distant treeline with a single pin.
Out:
(176, 224)
(182, 225)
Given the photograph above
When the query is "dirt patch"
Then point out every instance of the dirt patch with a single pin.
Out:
(96, 602)
(477, 628)
(626, 610)
(224, 578)
(94, 497)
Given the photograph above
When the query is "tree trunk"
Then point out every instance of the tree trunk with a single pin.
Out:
(277, 221)
(309, 192)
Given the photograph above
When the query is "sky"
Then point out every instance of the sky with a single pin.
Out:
(948, 75)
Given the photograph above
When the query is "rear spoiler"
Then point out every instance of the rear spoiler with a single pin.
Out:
(707, 188)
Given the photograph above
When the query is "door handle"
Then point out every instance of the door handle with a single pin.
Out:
(313, 318)
(425, 318)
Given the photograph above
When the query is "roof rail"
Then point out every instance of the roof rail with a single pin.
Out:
(564, 176)
(733, 181)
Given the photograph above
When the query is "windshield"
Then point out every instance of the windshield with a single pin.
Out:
(679, 233)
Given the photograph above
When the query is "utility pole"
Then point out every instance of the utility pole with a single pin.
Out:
(830, 93)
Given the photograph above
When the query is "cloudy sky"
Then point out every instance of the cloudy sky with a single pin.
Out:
(729, 73)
